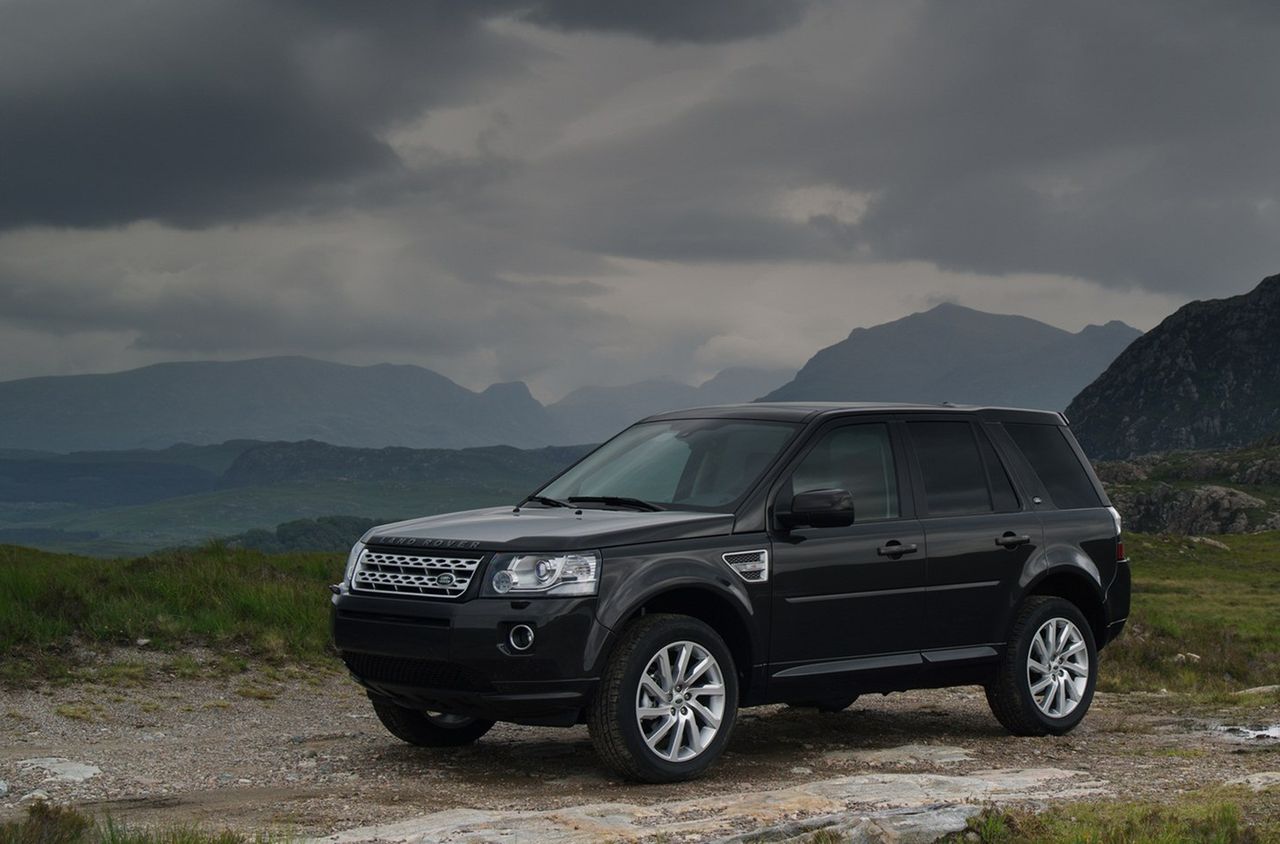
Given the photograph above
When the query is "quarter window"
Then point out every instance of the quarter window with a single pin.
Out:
(1003, 498)
(1055, 461)
(955, 480)
(858, 459)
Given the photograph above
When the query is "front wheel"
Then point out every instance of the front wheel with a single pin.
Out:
(667, 701)
(428, 729)
(1045, 682)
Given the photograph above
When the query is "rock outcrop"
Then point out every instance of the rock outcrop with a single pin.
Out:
(1206, 377)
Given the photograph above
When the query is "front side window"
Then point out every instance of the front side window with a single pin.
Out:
(859, 460)
(955, 480)
(696, 464)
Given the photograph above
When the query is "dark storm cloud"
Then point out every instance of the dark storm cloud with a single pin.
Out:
(203, 111)
(434, 181)
(1129, 143)
(192, 112)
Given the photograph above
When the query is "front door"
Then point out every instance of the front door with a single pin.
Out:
(848, 600)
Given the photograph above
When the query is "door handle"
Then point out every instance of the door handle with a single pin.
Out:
(1013, 540)
(894, 548)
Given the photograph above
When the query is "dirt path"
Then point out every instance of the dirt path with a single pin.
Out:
(306, 755)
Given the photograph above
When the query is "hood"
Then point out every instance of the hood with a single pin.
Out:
(549, 529)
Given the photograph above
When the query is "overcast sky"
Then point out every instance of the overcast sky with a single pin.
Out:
(569, 191)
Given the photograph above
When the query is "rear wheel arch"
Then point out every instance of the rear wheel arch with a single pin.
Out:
(1076, 586)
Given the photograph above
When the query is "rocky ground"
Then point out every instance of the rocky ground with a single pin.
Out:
(301, 753)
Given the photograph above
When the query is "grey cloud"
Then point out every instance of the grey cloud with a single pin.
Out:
(1132, 144)
(199, 112)
(703, 21)
(212, 302)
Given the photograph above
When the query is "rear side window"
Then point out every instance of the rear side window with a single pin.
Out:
(1055, 461)
(955, 479)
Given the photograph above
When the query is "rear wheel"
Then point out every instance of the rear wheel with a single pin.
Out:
(1046, 680)
(667, 701)
(426, 728)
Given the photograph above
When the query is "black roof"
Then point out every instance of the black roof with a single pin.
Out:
(805, 411)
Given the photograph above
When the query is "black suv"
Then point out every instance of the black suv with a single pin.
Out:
(709, 559)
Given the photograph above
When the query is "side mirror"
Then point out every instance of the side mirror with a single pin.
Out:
(819, 508)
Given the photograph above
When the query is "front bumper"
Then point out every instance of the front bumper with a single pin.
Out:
(453, 656)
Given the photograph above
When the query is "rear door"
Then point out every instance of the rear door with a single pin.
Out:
(848, 600)
(979, 532)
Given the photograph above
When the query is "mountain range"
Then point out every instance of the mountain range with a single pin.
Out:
(1206, 377)
(957, 354)
(298, 398)
(988, 359)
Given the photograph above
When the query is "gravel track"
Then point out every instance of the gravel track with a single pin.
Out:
(302, 753)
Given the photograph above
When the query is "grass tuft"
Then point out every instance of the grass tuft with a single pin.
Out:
(48, 824)
(1199, 820)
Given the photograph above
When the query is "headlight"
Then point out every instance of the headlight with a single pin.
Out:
(576, 573)
(352, 559)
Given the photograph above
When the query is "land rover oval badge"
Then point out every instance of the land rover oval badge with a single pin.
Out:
(445, 579)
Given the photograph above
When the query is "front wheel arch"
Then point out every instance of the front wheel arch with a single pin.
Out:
(711, 608)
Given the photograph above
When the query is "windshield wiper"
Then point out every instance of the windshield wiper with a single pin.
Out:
(545, 501)
(617, 501)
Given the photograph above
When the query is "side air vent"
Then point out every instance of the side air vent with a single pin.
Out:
(752, 566)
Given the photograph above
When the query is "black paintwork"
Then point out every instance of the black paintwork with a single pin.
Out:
(843, 611)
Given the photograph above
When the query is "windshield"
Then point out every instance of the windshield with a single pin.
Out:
(695, 464)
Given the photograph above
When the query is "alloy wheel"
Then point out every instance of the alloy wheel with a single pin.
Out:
(1058, 667)
(680, 701)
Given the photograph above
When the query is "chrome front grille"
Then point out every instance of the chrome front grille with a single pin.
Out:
(391, 573)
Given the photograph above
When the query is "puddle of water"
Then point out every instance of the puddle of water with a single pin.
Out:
(1262, 732)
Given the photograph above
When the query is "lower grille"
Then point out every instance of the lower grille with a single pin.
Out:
(417, 673)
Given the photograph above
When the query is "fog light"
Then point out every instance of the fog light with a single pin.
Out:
(521, 637)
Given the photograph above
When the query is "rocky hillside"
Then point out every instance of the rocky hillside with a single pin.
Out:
(1206, 377)
(1198, 492)
(953, 353)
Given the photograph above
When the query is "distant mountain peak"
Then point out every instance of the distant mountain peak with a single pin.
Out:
(955, 353)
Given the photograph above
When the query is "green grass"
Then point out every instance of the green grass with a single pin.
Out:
(1192, 598)
(46, 824)
(1199, 818)
(240, 603)
(250, 607)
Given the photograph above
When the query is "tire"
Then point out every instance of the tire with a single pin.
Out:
(428, 729)
(688, 731)
(1064, 691)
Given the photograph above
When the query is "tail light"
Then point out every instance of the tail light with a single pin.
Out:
(1115, 516)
